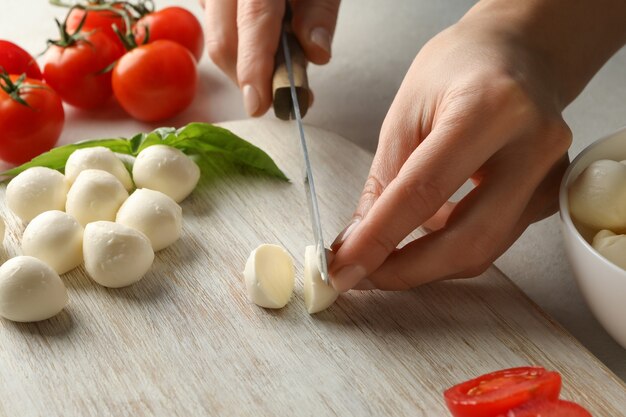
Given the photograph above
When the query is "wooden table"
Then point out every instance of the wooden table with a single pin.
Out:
(185, 341)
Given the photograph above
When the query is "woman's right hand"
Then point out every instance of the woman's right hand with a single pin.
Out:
(242, 38)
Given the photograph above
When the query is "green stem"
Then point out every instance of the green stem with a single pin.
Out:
(67, 39)
(15, 88)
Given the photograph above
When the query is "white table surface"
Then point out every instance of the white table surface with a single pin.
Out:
(373, 47)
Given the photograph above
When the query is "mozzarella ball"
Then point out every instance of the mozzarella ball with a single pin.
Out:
(166, 169)
(269, 276)
(154, 214)
(611, 246)
(30, 290)
(116, 255)
(95, 195)
(317, 295)
(2, 230)
(36, 190)
(100, 158)
(56, 238)
(597, 198)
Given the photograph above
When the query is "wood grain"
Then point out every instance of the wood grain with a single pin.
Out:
(185, 341)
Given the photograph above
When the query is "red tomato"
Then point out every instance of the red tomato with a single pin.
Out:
(75, 71)
(17, 61)
(496, 393)
(175, 24)
(155, 81)
(28, 130)
(549, 409)
(102, 20)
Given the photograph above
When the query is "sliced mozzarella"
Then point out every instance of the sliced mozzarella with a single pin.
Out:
(317, 295)
(269, 276)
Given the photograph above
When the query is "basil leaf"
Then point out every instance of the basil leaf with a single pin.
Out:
(213, 139)
(208, 142)
(57, 157)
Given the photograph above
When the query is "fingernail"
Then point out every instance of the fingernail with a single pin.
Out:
(330, 255)
(343, 235)
(365, 285)
(251, 100)
(347, 277)
(321, 38)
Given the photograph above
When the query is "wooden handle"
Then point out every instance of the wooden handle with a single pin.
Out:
(283, 106)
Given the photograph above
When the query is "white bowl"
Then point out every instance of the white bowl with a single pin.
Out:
(602, 283)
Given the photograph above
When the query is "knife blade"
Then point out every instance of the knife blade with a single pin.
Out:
(289, 108)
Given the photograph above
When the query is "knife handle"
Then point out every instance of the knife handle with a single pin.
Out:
(283, 105)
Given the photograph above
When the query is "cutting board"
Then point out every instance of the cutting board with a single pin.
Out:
(185, 341)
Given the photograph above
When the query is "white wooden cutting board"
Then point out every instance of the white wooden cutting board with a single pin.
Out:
(185, 341)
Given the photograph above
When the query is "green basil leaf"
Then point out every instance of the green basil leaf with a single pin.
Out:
(57, 157)
(212, 139)
(209, 143)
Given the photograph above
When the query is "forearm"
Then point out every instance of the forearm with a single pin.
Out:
(571, 39)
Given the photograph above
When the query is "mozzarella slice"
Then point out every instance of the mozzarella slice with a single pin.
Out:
(269, 276)
(317, 295)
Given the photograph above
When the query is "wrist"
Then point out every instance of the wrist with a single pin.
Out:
(566, 42)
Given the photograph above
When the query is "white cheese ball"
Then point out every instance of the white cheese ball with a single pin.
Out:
(30, 290)
(36, 190)
(2, 231)
(56, 238)
(597, 198)
(269, 276)
(166, 169)
(100, 158)
(95, 195)
(317, 295)
(116, 255)
(154, 214)
(611, 246)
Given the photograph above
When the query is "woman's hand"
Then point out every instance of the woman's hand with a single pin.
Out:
(481, 101)
(243, 36)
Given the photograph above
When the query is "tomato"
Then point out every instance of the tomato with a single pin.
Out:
(155, 81)
(496, 393)
(76, 72)
(17, 61)
(175, 24)
(102, 20)
(32, 128)
(549, 409)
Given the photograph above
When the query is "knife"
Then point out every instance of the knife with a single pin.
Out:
(291, 102)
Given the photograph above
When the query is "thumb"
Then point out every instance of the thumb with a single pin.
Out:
(314, 24)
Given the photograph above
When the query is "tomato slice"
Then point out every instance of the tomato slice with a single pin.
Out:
(549, 409)
(496, 393)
